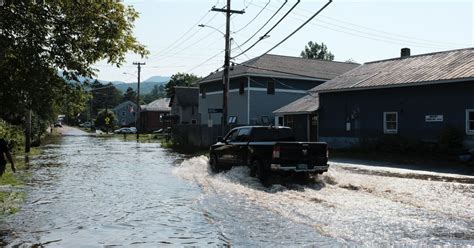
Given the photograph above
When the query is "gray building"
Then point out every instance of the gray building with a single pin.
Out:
(261, 85)
(302, 116)
(125, 113)
(184, 105)
(410, 96)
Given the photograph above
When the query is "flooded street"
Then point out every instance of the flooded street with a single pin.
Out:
(102, 192)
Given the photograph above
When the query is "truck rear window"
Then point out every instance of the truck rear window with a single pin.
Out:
(272, 134)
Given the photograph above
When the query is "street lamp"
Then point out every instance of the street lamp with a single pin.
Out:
(207, 26)
(226, 78)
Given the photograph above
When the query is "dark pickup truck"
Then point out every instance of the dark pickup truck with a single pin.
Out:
(268, 151)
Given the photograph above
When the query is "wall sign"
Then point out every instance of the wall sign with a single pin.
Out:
(434, 118)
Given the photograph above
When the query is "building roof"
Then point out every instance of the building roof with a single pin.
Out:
(305, 105)
(431, 68)
(160, 105)
(186, 96)
(285, 66)
(124, 104)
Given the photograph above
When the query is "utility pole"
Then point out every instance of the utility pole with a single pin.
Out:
(228, 11)
(28, 131)
(137, 115)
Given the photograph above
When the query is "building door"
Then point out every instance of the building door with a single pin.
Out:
(313, 127)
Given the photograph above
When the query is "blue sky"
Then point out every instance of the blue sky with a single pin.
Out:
(359, 30)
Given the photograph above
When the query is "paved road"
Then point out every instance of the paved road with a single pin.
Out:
(101, 192)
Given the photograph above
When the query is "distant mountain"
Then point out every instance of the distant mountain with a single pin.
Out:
(158, 79)
(145, 87)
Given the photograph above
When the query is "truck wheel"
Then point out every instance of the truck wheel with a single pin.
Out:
(262, 173)
(214, 163)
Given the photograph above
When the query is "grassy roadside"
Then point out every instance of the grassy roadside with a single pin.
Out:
(12, 193)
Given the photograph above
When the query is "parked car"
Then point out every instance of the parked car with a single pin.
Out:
(86, 124)
(268, 152)
(58, 124)
(126, 130)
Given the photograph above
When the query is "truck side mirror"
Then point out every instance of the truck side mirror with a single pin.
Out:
(219, 139)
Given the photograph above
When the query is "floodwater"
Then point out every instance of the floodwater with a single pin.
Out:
(98, 192)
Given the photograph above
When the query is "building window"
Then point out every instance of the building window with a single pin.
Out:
(203, 92)
(193, 121)
(232, 119)
(280, 121)
(390, 122)
(470, 121)
(123, 113)
(241, 88)
(271, 88)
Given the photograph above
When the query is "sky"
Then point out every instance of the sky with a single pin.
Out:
(362, 31)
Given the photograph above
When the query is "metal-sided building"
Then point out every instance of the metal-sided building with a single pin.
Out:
(261, 85)
(410, 96)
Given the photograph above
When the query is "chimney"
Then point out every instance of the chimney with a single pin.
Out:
(405, 53)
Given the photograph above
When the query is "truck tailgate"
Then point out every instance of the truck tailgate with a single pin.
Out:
(311, 153)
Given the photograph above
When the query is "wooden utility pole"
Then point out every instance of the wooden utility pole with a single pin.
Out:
(228, 11)
(28, 131)
(137, 115)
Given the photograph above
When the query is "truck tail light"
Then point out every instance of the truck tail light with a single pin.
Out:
(276, 152)
(327, 152)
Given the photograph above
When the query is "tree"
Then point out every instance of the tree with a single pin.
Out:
(106, 121)
(130, 95)
(180, 79)
(40, 38)
(315, 51)
(104, 96)
(156, 93)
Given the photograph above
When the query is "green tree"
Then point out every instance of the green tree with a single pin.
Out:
(156, 93)
(315, 51)
(40, 38)
(129, 95)
(104, 96)
(180, 79)
(106, 121)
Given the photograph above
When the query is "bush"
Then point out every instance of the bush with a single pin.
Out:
(103, 124)
(12, 134)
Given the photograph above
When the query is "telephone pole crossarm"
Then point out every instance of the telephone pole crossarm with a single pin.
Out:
(225, 10)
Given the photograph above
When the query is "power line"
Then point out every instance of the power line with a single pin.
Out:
(377, 37)
(207, 60)
(300, 27)
(266, 34)
(184, 34)
(265, 24)
(258, 14)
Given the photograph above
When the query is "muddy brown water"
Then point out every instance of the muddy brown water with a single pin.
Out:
(105, 192)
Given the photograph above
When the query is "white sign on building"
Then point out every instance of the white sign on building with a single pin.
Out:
(434, 118)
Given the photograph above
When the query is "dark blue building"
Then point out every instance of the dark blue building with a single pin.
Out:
(411, 96)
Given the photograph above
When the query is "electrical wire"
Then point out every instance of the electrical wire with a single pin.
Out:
(258, 14)
(266, 34)
(207, 60)
(265, 24)
(300, 27)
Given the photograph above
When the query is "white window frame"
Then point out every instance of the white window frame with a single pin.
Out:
(469, 131)
(385, 129)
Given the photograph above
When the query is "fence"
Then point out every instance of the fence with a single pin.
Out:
(195, 136)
